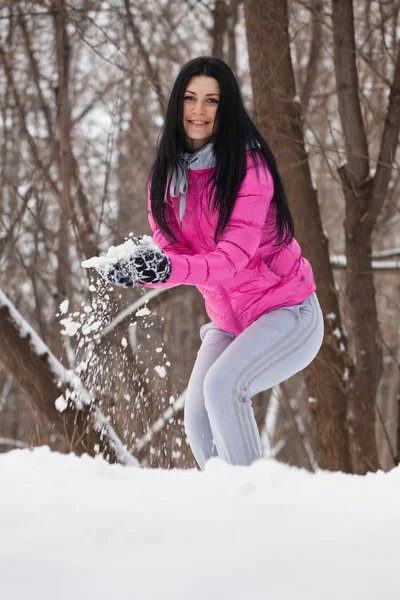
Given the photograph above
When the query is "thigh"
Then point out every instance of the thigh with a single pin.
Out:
(272, 349)
(214, 343)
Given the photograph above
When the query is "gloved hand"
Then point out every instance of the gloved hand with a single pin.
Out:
(146, 265)
(120, 273)
(151, 265)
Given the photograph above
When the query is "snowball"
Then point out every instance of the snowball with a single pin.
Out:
(116, 253)
(64, 306)
(70, 327)
(61, 404)
(161, 371)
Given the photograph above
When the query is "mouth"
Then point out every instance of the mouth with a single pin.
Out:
(197, 123)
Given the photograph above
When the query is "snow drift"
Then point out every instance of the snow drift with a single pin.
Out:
(80, 528)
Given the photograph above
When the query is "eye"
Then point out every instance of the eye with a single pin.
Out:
(213, 100)
(188, 98)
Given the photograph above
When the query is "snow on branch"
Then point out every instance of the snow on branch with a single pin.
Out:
(35, 342)
(138, 304)
(14, 443)
(340, 262)
(42, 375)
(162, 421)
(386, 253)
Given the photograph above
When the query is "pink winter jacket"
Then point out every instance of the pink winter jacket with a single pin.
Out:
(243, 276)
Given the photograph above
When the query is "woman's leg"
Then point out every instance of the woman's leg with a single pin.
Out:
(197, 426)
(272, 349)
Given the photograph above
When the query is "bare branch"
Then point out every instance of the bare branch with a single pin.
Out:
(152, 73)
(315, 52)
(6, 60)
(388, 266)
(20, 215)
(347, 91)
(36, 74)
(63, 56)
(171, 412)
(13, 443)
(24, 354)
(390, 140)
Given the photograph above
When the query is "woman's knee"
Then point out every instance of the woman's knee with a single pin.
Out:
(216, 387)
(193, 414)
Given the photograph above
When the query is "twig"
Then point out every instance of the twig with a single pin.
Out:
(161, 422)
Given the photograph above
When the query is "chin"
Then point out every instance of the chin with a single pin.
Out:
(196, 142)
(199, 137)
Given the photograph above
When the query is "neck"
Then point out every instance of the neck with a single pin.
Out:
(192, 145)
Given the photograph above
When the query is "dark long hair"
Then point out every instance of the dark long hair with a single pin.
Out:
(235, 131)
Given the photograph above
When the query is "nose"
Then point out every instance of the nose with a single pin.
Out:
(198, 109)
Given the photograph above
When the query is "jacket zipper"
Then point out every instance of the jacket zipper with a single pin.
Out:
(223, 289)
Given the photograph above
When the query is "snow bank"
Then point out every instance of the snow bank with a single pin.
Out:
(83, 527)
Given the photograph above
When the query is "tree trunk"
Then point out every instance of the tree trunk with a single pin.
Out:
(231, 21)
(365, 326)
(218, 31)
(278, 116)
(364, 199)
(63, 55)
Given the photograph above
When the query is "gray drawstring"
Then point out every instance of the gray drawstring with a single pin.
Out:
(178, 185)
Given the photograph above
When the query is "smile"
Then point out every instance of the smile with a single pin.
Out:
(198, 123)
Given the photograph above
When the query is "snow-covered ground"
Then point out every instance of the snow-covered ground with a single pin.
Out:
(83, 529)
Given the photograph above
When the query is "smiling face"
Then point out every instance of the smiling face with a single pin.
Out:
(199, 111)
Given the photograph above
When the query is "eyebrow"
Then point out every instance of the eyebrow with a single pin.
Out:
(190, 92)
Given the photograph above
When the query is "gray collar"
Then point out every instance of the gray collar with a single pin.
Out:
(203, 158)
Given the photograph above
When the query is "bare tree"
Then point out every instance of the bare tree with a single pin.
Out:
(364, 199)
(344, 390)
(225, 18)
(279, 118)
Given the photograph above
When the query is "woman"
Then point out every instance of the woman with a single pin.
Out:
(220, 219)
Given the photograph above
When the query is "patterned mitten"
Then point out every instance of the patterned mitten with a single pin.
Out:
(122, 272)
(151, 265)
(119, 273)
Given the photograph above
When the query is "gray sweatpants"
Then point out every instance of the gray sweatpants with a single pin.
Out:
(229, 371)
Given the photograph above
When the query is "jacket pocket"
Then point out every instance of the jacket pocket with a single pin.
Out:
(285, 262)
(252, 282)
(269, 276)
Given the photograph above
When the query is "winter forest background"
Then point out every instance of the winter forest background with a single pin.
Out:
(83, 89)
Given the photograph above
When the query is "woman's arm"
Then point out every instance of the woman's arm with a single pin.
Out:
(239, 241)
